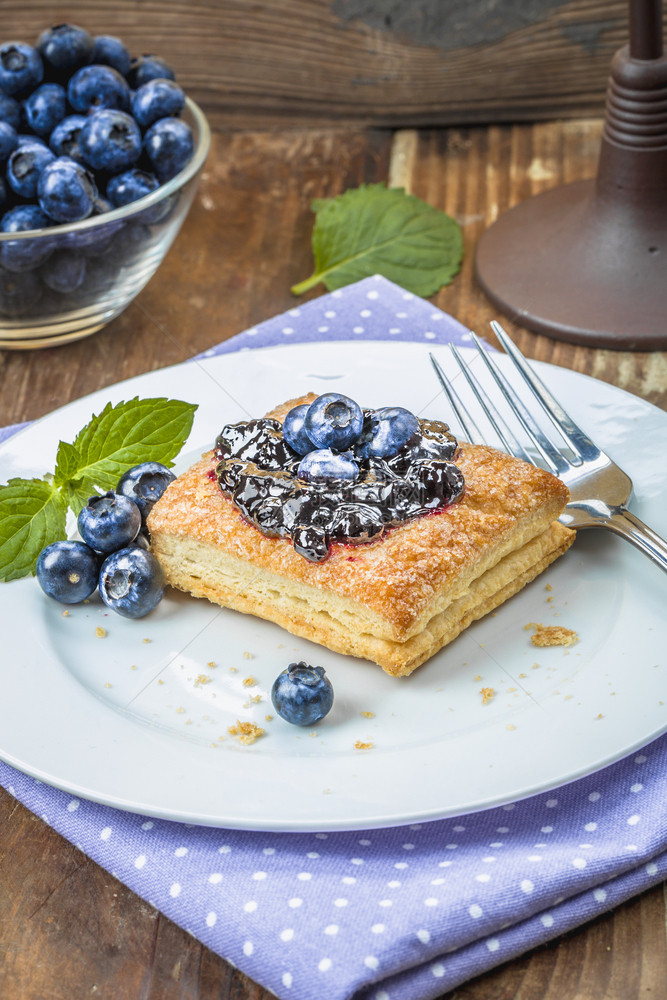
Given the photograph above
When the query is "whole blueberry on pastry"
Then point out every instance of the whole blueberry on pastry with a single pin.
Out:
(302, 694)
(333, 421)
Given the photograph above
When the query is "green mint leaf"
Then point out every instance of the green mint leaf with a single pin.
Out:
(32, 515)
(68, 461)
(140, 430)
(373, 229)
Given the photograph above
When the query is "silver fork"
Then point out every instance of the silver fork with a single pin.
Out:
(599, 489)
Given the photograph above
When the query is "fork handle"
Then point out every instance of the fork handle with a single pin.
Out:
(623, 522)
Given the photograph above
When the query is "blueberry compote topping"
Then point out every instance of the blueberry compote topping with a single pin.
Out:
(355, 495)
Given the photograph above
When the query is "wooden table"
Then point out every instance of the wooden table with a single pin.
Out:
(68, 930)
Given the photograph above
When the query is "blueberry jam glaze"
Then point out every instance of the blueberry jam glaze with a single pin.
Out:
(258, 470)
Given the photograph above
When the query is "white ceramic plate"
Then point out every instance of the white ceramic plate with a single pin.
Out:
(135, 718)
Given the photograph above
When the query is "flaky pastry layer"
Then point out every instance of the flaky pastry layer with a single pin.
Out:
(395, 601)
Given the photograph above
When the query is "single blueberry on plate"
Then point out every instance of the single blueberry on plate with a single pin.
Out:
(301, 694)
(8, 141)
(110, 140)
(131, 581)
(97, 87)
(45, 107)
(21, 68)
(10, 111)
(157, 99)
(67, 571)
(144, 484)
(294, 430)
(64, 140)
(65, 47)
(324, 465)
(148, 67)
(64, 271)
(110, 51)
(110, 521)
(386, 431)
(169, 145)
(25, 165)
(334, 421)
(66, 190)
(28, 253)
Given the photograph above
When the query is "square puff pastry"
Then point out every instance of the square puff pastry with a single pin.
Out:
(396, 600)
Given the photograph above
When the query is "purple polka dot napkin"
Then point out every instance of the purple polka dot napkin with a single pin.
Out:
(405, 913)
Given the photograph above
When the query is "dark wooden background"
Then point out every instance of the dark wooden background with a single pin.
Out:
(277, 63)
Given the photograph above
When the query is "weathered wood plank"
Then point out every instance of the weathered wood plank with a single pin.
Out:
(372, 62)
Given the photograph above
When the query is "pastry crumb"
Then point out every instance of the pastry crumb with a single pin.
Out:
(359, 745)
(552, 635)
(487, 694)
(100, 632)
(65, 613)
(245, 732)
(202, 679)
(249, 682)
(211, 664)
(233, 670)
(368, 715)
(247, 655)
(145, 640)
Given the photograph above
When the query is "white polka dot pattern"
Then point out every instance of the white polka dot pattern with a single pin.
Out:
(396, 914)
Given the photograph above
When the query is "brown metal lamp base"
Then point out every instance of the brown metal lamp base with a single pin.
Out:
(587, 262)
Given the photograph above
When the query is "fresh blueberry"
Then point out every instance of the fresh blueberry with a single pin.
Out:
(168, 144)
(294, 430)
(131, 582)
(109, 522)
(45, 107)
(8, 141)
(65, 47)
(5, 196)
(111, 141)
(324, 465)
(66, 190)
(21, 68)
(68, 571)
(19, 293)
(146, 68)
(130, 186)
(64, 271)
(302, 694)
(29, 139)
(334, 421)
(25, 165)
(24, 254)
(110, 51)
(157, 99)
(10, 111)
(98, 87)
(64, 140)
(144, 484)
(386, 431)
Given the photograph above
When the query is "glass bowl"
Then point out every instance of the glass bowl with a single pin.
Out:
(66, 282)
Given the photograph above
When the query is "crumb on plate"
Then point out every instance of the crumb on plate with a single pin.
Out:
(552, 635)
(245, 732)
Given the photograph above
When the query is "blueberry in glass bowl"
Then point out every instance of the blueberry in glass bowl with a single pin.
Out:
(118, 245)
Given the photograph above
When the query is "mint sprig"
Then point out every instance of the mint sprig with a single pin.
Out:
(33, 512)
(374, 229)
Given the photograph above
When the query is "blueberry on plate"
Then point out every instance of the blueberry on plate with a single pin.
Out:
(131, 582)
(66, 190)
(110, 51)
(386, 431)
(157, 99)
(25, 165)
(334, 421)
(25, 254)
(45, 107)
(294, 430)
(21, 68)
(148, 67)
(324, 465)
(168, 144)
(302, 694)
(98, 87)
(144, 484)
(110, 140)
(65, 47)
(110, 521)
(67, 571)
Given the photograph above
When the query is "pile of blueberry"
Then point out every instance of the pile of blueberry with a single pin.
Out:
(84, 129)
(333, 472)
(114, 554)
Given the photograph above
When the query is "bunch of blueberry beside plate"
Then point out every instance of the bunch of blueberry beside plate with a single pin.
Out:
(113, 555)
(84, 129)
